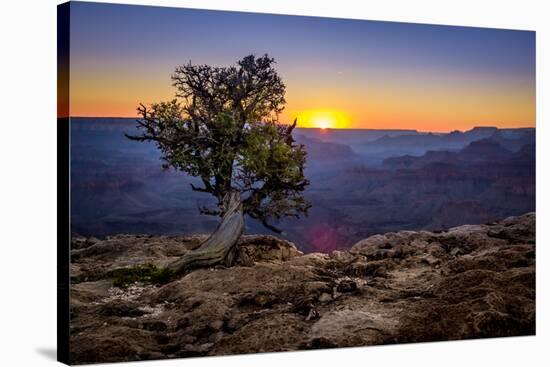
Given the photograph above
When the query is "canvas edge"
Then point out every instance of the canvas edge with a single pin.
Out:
(63, 193)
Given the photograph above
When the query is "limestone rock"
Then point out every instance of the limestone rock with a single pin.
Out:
(468, 282)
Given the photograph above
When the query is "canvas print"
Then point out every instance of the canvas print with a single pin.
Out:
(236, 183)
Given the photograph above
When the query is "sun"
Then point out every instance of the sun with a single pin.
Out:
(323, 123)
(323, 119)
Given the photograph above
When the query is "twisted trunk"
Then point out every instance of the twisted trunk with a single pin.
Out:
(218, 248)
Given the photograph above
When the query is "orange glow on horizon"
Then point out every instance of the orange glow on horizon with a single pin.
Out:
(379, 104)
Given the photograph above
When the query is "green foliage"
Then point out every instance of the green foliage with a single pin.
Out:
(147, 273)
(270, 157)
(223, 128)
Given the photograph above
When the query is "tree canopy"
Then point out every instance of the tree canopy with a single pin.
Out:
(223, 127)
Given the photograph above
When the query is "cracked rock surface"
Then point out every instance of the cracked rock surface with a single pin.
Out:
(472, 281)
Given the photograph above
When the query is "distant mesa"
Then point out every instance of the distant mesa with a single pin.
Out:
(363, 182)
(320, 150)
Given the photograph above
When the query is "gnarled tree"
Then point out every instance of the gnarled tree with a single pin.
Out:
(223, 127)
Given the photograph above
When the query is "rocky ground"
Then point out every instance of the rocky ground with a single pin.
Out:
(472, 281)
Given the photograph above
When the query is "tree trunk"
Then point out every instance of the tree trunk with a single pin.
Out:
(218, 248)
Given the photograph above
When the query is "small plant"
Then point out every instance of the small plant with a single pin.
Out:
(147, 273)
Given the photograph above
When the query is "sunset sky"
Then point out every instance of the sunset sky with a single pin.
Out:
(339, 73)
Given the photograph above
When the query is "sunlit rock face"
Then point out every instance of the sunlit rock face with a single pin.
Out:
(471, 281)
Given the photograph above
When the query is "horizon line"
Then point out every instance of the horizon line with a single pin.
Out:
(332, 128)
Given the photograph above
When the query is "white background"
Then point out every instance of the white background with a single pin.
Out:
(28, 182)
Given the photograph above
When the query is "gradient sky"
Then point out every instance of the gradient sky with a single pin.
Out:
(339, 73)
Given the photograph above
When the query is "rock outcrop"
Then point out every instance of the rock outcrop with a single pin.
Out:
(472, 281)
